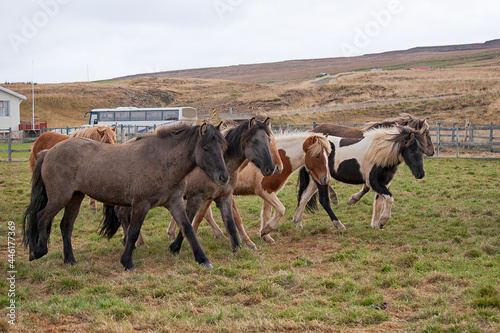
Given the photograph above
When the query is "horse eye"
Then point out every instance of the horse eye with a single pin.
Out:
(318, 156)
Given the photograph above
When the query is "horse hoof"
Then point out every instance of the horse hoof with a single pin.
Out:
(130, 269)
(207, 265)
(143, 245)
(337, 224)
(70, 262)
(254, 247)
(269, 239)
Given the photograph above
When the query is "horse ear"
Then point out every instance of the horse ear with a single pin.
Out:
(267, 122)
(326, 135)
(411, 137)
(114, 128)
(203, 128)
(100, 131)
(251, 123)
(218, 126)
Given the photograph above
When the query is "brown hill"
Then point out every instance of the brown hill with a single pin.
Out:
(300, 69)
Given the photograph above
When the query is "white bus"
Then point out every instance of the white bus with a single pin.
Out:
(132, 116)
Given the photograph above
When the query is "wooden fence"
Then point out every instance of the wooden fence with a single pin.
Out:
(471, 137)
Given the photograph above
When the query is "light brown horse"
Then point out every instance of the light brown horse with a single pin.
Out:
(48, 140)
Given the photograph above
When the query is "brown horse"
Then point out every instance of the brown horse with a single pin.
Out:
(142, 174)
(48, 140)
(356, 133)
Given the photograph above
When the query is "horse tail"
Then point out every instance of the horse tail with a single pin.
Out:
(37, 203)
(302, 183)
(110, 223)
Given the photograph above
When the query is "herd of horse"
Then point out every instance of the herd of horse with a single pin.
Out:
(186, 168)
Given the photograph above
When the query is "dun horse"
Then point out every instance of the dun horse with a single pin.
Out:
(372, 160)
(116, 175)
(295, 149)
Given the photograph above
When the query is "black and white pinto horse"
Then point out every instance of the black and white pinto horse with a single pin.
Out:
(372, 160)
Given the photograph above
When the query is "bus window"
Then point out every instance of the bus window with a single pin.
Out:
(122, 116)
(189, 113)
(106, 116)
(153, 115)
(138, 115)
(171, 115)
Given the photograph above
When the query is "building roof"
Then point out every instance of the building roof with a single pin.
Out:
(13, 93)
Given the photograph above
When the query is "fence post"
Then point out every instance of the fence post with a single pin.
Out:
(9, 144)
(438, 137)
(458, 141)
(314, 124)
(453, 132)
(491, 137)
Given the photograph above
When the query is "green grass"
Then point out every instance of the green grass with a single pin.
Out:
(15, 155)
(436, 264)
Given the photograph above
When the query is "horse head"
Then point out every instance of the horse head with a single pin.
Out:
(412, 143)
(255, 142)
(208, 153)
(317, 149)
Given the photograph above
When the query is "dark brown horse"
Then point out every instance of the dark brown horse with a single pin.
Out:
(142, 174)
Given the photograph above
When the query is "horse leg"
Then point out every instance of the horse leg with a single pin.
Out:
(44, 220)
(190, 208)
(306, 196)
(137, 216)
(333, 195)
(238, 221)
(207, 214)
(225, 205)
(92, 204)
(172, 227)
(386, 214)
(325, 203)
(357, 196)
(178, 211)
(70, 213)
(378, 203)
(271, 200)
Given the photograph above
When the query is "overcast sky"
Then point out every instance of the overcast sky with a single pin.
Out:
(76, 40)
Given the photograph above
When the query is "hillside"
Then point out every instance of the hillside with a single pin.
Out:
(300, 69)
(474, 75)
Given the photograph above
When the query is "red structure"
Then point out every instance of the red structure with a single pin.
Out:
(24, 126)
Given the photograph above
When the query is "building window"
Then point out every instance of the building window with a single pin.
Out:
(4, 108)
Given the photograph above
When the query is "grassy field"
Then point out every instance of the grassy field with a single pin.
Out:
(434, 268)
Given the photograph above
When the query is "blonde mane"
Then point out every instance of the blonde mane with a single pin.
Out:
(383, 150)
(101, 134)
(320, 144)
(404, 119)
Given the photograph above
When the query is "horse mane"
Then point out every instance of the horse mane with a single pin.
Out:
(185, 132)
(237, 136)
(320, 144)
(100, 134)
(404, 119)
(388, 144)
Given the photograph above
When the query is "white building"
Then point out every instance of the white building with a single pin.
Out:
(9, 109)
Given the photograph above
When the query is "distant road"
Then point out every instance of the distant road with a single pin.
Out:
(364, 105)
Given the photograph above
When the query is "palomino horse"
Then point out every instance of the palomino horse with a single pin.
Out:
(48, 140)
(248, 141)
(372, 160)
(226, 125)
(404, 119)
(116, 175)
(296, 149)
